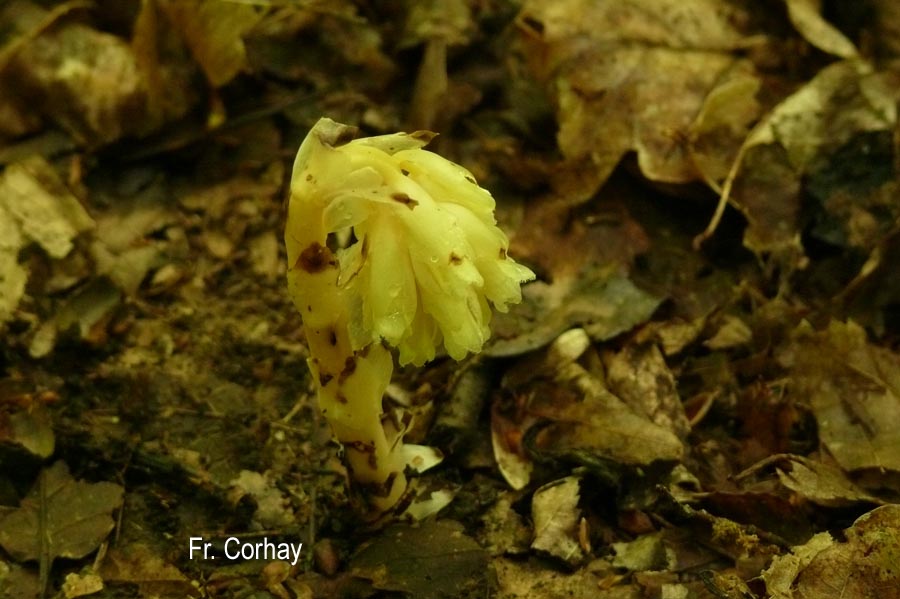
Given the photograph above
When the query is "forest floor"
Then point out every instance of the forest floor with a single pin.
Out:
(698, 397)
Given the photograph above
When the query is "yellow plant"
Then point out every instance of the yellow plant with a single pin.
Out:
(389, 245)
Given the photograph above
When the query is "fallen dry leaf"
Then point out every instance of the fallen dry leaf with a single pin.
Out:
(433, 560)
(12, 275)
(214, 33)
(843, 100)
(805, 16)
(60, 517)
(779, 576)
(35, 206)
(85, 80)
(555, 513)
(582, 258)
(138, 565)
(639, 376)
(865, 565)
(32, 429)
(43, 208)
(820, 483)
(572, 415)
(625, 80)
(647, 552)
(853, 388)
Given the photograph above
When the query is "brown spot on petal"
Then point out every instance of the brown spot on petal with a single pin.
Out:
(315, 258)
(324, 378)
(425, 136)
(366, 448)
(455, 258)
(349, 369)
(332, 337)
(342, 399)
(381, 489)
(404, 199)
(405, 172)
(346, 135)
(360, 446)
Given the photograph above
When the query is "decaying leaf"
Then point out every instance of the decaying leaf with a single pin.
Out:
(18, 582)
(43, 208)
(577, 418)
(855, 187)
(732, 332)
(738, 541)
(843, 100)
(853, 388)
(604, 307)
(804, 15)
(725, 119)
(81, 585)
(647, 552)
(433, 560)
(86, 313)
(163, 64)
(821, 483)
(865, 565)
(60, 517)
(35, 206)
(33, 430)
(139, 565)
(780, 574)
(599, 426)
(632, 76)
(214, 32)
(509, 452)
(123, 247)
(638, 375)
(12, 275)
(555, 513)
(522, 580)
(83, 79)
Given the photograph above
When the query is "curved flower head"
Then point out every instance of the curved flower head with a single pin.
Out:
(425, 260)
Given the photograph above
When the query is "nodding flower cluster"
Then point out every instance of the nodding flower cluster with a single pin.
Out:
(389, 246)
